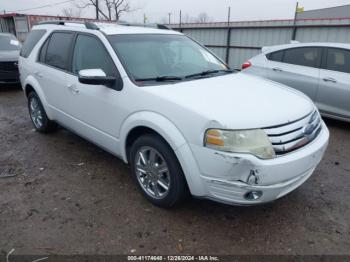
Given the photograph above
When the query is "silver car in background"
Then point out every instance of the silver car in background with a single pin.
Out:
(320, 70)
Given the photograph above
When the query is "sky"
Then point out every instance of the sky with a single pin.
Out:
(158, 10)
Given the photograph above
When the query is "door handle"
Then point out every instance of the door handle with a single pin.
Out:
(330, 79)
(277, 69)
(73, 88)
(38, 74)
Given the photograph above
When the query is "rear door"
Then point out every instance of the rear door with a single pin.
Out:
(297, 68)
(334, 91)
(51, 71)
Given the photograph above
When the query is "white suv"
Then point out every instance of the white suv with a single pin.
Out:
(172, 110)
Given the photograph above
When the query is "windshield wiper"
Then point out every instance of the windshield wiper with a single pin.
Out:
(160, 79)
(209, 72)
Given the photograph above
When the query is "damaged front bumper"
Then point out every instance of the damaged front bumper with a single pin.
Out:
(227, 177)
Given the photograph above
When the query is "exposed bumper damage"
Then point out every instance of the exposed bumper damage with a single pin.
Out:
(230, 178)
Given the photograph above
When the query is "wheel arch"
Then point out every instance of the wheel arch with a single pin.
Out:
(31, 84)
(155, 123)
(149, 123)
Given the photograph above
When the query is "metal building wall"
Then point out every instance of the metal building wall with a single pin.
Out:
(247, 38)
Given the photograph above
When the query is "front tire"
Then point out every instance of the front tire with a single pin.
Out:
(157, 172)
(38, 115)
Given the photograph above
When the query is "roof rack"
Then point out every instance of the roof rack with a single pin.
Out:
(88, 25)
(159, 26)
(93, 26)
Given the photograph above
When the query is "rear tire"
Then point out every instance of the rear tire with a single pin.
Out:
(157, 172)
(38, 115)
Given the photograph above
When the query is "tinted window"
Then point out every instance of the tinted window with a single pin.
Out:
(305, 56)
(43, 50)
(58, 49)
(338, 60)
(90, 53)
(9, 43)
(32, 39)
(276, 56)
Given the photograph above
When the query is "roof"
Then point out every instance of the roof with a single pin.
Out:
(110, 29)
(268, 49)
(329, 12)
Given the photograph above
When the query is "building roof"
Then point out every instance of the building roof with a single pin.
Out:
(330, 12)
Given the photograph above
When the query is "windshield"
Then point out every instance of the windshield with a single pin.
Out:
(9, 43)
(164, 57)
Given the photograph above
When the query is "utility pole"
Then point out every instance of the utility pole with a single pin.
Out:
(180, 19)
(97, 11)
(228, 44)
(169, 18)
(295, 22)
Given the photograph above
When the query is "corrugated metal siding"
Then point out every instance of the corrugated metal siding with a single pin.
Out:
(208, 36)
(248, 37)
(239, 56)
(330, 34)
(259, 37)
(219, 51)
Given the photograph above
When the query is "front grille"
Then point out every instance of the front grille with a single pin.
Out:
(294, 135)
(9, 66)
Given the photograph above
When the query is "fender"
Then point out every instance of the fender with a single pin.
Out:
(155, 121)
(175, 139)
(30, 80)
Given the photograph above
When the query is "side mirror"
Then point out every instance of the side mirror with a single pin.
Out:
(95, 77)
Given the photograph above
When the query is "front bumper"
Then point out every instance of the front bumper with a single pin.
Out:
(9, 77)
(224, 175)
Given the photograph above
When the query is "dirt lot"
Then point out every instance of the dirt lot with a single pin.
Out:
(70, 197)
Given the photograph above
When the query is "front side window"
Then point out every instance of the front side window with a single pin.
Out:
(9, 43)
(338, 60)
(58, 50)
(90, 53)
(164, 55)
(32, 39)
(303, 56)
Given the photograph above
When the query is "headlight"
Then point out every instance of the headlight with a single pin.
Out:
(254, 142)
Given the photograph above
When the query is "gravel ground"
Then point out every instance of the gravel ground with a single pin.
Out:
(67, 196)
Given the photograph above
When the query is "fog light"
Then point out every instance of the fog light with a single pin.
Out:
(253, 195)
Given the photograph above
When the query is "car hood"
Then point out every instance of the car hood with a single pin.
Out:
(9, 55)
(238, 101)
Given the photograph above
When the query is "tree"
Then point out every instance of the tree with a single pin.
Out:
(120, 7)
(72, 12)
(93, 3)
(109, 9)
(203, 18)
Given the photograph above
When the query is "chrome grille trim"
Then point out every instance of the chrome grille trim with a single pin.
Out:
(289, 137)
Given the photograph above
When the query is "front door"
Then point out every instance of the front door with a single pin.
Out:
(96, 109)
(297, 68)
(334, 92)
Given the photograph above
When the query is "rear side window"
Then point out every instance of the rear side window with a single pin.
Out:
(338, 60)
(304, 56)
(276, 56)
(58, 50)
(32, 39)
